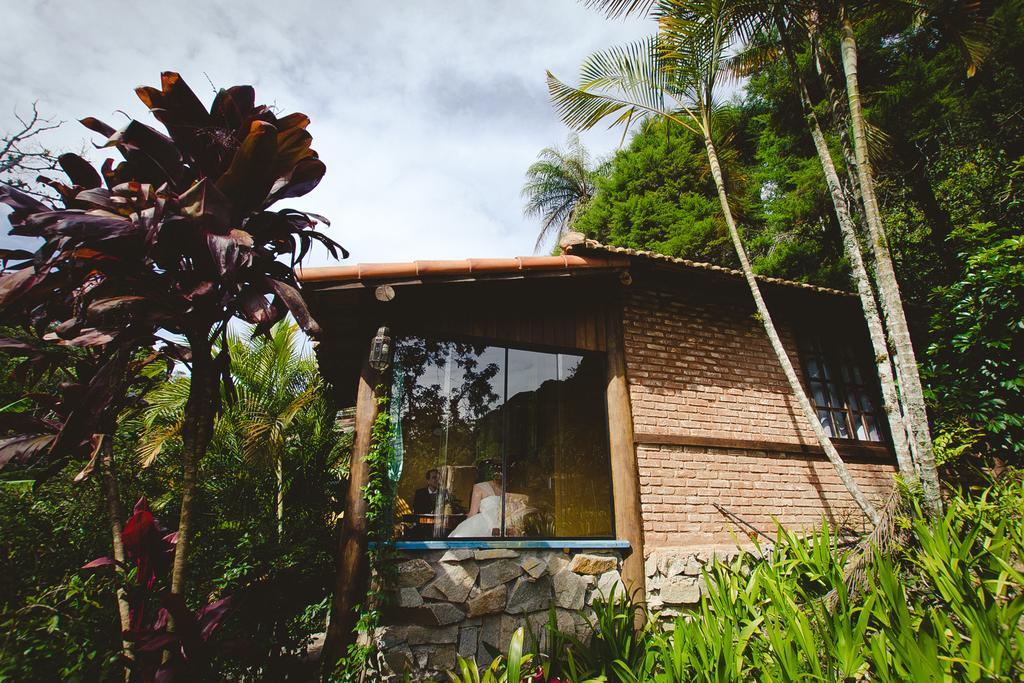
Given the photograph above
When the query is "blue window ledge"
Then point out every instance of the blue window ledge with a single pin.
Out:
(512, 544)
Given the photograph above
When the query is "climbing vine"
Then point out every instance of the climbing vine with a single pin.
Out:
(379, 493)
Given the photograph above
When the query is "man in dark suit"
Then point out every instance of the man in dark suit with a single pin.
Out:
(425, 500)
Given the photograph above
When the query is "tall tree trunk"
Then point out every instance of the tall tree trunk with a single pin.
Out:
(115, 515)
(353, 567)
(279, 471)
(197, 429)
(888, 287)
(776, 342)
(890, 397)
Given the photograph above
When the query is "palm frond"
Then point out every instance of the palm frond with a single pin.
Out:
(752, 59)
(962, 23)
(149, 447)
(615, 9)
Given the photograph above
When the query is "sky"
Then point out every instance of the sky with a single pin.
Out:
(426, 113)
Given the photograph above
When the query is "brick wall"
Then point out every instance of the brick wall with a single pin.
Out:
(679, 486)
(706, 368)
(702, 367)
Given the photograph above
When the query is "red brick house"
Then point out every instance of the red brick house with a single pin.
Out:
(569, 422)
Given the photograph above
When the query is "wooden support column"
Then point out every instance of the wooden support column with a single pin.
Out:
(629, 524)
(352, 569)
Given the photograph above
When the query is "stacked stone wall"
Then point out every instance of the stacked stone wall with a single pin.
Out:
(459, 601)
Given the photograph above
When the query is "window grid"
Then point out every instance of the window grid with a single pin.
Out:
(842, 392)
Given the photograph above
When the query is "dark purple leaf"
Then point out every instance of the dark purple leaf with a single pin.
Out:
(100, 562)
(249, 177)
(203, 201)
(88, 337)
(15, 284)
(97, 126)
(79, 171)
(234, 106)
(227, 254)
(80, 226)
(150, 153)
(67, 193)
(99, 198)
(101, 307)
(296, 304)
(15, 254)
(306, 175)
(176, 106)
(22, 203)
(23, 448)
(26, 423)
(253, 306)
(210, 616)
(156, 642)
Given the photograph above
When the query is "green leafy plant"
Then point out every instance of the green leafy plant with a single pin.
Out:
(379, 493)
(511, 668)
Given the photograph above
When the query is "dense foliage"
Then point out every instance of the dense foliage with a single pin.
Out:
(952, 145)
(658, 196)
(943, 603)
(59, 622)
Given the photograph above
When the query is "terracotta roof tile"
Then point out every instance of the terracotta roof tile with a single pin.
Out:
(578, 254)
(593, 245)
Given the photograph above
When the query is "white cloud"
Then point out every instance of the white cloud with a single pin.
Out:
(426, 113)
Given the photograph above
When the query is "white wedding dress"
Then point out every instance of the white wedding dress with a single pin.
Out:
(483, 522)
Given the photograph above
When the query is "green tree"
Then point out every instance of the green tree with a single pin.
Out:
(657, 196)
(278, 401)
(559, 186)
(977, 355)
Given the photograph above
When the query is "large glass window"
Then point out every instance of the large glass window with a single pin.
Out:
(499, 442)
(842, 388)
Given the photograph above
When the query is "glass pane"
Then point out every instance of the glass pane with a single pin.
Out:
(843, 430)
(858, 423)
(448, 444)
(826, 371)
(872, 429)
(844, 371)
(865, 401)
(852, 398)
(826, 422)
(813, 368)
(556, 448)
(820, 398)
(855, 368)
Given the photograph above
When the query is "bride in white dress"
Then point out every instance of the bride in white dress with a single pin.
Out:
(484, 512)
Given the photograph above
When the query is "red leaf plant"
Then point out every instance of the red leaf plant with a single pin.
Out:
(149, 549)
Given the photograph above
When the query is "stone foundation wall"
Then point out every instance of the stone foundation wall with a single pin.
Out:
(675, 581)
(453, 602)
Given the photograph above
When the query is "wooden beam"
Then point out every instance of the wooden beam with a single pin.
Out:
(352, 568)
(855, 451)
(625, 474)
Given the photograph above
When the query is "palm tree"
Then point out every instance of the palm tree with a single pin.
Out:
(276, 388)
(885, 279)
(274, 383)
(764, 17)
(675, 76)
(559, 186)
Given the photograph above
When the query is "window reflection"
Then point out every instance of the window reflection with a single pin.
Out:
(495, 441)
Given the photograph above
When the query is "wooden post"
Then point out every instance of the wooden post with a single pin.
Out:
(353, 570)
(629, 524)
